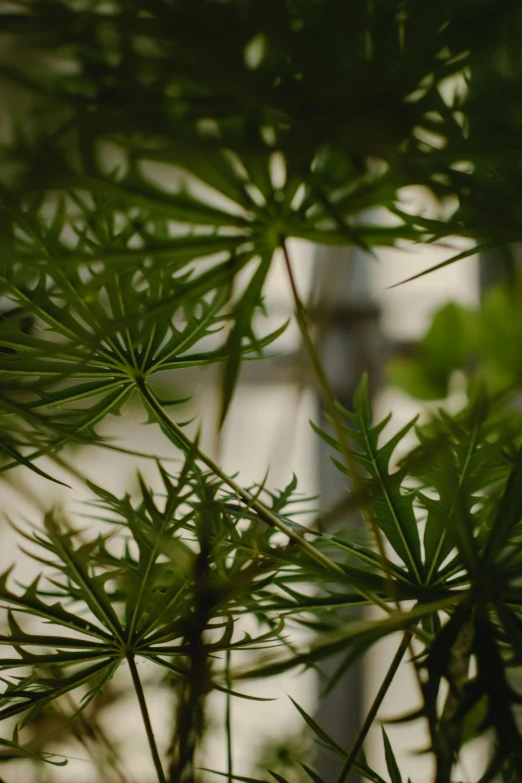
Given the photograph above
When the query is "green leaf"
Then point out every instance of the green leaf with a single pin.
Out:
(391, 763)
(30, 696)
(508, 515)
(244, 313)
(391, 505)
(15, 751)
(319, 732)
(341, 640)
(312, 774)
(279, 778)
(361, 765)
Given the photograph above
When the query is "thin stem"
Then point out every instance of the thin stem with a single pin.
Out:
(146, 718)
(374, 709)
(330, 404)
(228, 719)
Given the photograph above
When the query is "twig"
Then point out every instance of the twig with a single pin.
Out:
(146, 717)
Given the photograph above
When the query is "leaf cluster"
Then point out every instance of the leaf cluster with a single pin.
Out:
(157, 157)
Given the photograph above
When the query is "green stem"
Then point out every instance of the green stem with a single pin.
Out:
(374, 709)
(146, 718)
(228, 720)
(330, 404)
(182, 441)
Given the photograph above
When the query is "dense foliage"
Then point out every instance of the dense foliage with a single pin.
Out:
(155, 159)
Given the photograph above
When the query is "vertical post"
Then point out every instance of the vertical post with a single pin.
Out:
(346, 322)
